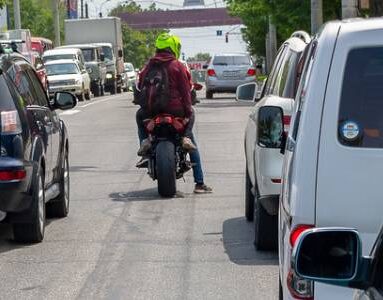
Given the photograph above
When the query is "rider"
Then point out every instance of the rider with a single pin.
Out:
(168, 48)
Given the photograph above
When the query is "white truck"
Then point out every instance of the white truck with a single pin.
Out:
(106, 33)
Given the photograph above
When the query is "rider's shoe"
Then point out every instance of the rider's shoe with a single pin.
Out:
(143, 163)
(201, 188)
(144, 147)
(188, 145)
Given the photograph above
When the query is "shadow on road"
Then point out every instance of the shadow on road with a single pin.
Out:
(81, 168)
(141, 195)
(238, 237)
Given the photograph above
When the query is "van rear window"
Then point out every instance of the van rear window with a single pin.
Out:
(360, 121)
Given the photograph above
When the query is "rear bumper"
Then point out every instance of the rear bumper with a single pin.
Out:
(15, 196)
(75, 89)
(225, 85)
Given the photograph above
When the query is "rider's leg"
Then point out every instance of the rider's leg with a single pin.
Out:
(140, 117)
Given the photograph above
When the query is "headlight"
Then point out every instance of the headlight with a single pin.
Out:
(89, 70)
(78, 81)
(108, 76)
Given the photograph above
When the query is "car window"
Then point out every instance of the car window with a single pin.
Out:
(22, 83)
(360, 122)
(41, 97)
(6, 100)
(62, 69)
(284, 84)
(88, 54)
(108, 52)
(274, 71)
(225, 60)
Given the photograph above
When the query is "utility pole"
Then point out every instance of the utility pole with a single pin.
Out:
(349, 9)
(56, 22)
(316, 15)
(16, 12)
(82, 9)
(271, 45)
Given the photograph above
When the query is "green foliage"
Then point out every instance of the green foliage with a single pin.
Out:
(139, 45)
(200, 57)
(287, 15)
(37, 16)
(2, 3)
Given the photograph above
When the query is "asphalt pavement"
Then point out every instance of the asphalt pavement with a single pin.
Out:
(122, 241)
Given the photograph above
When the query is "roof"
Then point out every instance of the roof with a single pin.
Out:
(103, 44)
(61, 61)
(61, 51)
(80, 46)
(179, 18)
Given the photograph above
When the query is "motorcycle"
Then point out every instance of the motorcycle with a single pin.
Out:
(167, 160)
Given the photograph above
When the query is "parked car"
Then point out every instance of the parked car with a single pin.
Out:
(334, 256)
(34, 161)
(40, 44)
(334, 151)
(65, 75)
(263, 160)
(130, 75)
(95, 65)
(227, 71)
(40, 70)
(66, 53)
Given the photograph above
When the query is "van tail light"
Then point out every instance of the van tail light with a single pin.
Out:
(12, 175)
(299, 288)
(276, 180)
(297, 231)
(211, 72)
(10, 122)
(286, 123)
(251, 72)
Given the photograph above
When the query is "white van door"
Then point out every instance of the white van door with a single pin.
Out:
(350, 163)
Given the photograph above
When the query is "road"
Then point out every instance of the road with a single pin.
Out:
(122, 241)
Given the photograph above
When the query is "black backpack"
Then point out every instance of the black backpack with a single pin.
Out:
(154, 95)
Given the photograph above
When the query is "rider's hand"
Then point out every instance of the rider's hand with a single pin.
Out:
(185, 121)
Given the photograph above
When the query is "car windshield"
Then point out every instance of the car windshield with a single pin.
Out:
(231, 60)
(58, 56)
(129, 67)
(89, 54)
(108, 53)
(61, 69)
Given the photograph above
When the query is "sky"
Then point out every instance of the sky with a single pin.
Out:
(194, 40)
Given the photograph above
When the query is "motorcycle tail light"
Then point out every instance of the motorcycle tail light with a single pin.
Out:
(10, 122)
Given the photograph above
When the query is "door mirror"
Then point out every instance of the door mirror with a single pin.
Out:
(333, 256)
(64, 100)
(102, 57)
(270, 127)
(204, 67)
(247, 92)
(120, 53)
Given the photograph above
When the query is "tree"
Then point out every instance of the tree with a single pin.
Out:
(138, 45)
(287, 15)
(200, 57)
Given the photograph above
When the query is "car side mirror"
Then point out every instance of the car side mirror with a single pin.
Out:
(197, 86)
(333, 256)
(247, 92)
(270, 132)
(120, 53)
(102, 57)
(204, 67)
(64, 100)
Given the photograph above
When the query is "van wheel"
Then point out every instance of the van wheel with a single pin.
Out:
(102, 90)
(81, 97)
(33, 232)
(59, 207)
(87, 95)
(249, 199)
(209, 95)
(265, 229)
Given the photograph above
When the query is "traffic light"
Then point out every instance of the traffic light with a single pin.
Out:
(219, 32)
(227, 37)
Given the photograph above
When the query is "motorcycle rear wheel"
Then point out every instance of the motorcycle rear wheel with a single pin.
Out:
(166, 169)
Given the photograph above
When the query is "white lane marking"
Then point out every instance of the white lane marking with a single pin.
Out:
(99, 101)
(70, 112)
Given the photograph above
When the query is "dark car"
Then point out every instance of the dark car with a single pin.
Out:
(34, 166)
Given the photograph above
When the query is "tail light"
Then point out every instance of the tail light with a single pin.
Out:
(299, 288)
(10, 122)
(286, 122)
(276, 180)
(251, 72)
(297, 231)
(211, 72)
(12, 175)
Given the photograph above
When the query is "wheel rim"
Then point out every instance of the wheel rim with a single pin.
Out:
(41, 204)
(66, 182)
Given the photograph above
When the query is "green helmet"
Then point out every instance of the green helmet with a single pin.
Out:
(168, 40)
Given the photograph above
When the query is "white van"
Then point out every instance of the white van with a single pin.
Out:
(333, 162)
(65, 53)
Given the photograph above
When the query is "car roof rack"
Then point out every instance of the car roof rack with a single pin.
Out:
(303, 35)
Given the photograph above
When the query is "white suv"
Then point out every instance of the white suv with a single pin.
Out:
(263, 159)
(333, 162)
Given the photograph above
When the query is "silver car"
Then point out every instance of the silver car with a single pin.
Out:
(227, 71)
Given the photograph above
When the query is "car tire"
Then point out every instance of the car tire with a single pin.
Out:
(209, 95)
(59, 207)
(81, 96)
(265, 228)
(249, 199)
(97, 90)
(33, 232)
(102, 90)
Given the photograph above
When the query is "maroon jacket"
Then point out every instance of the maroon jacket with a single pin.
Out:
(179, 84)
